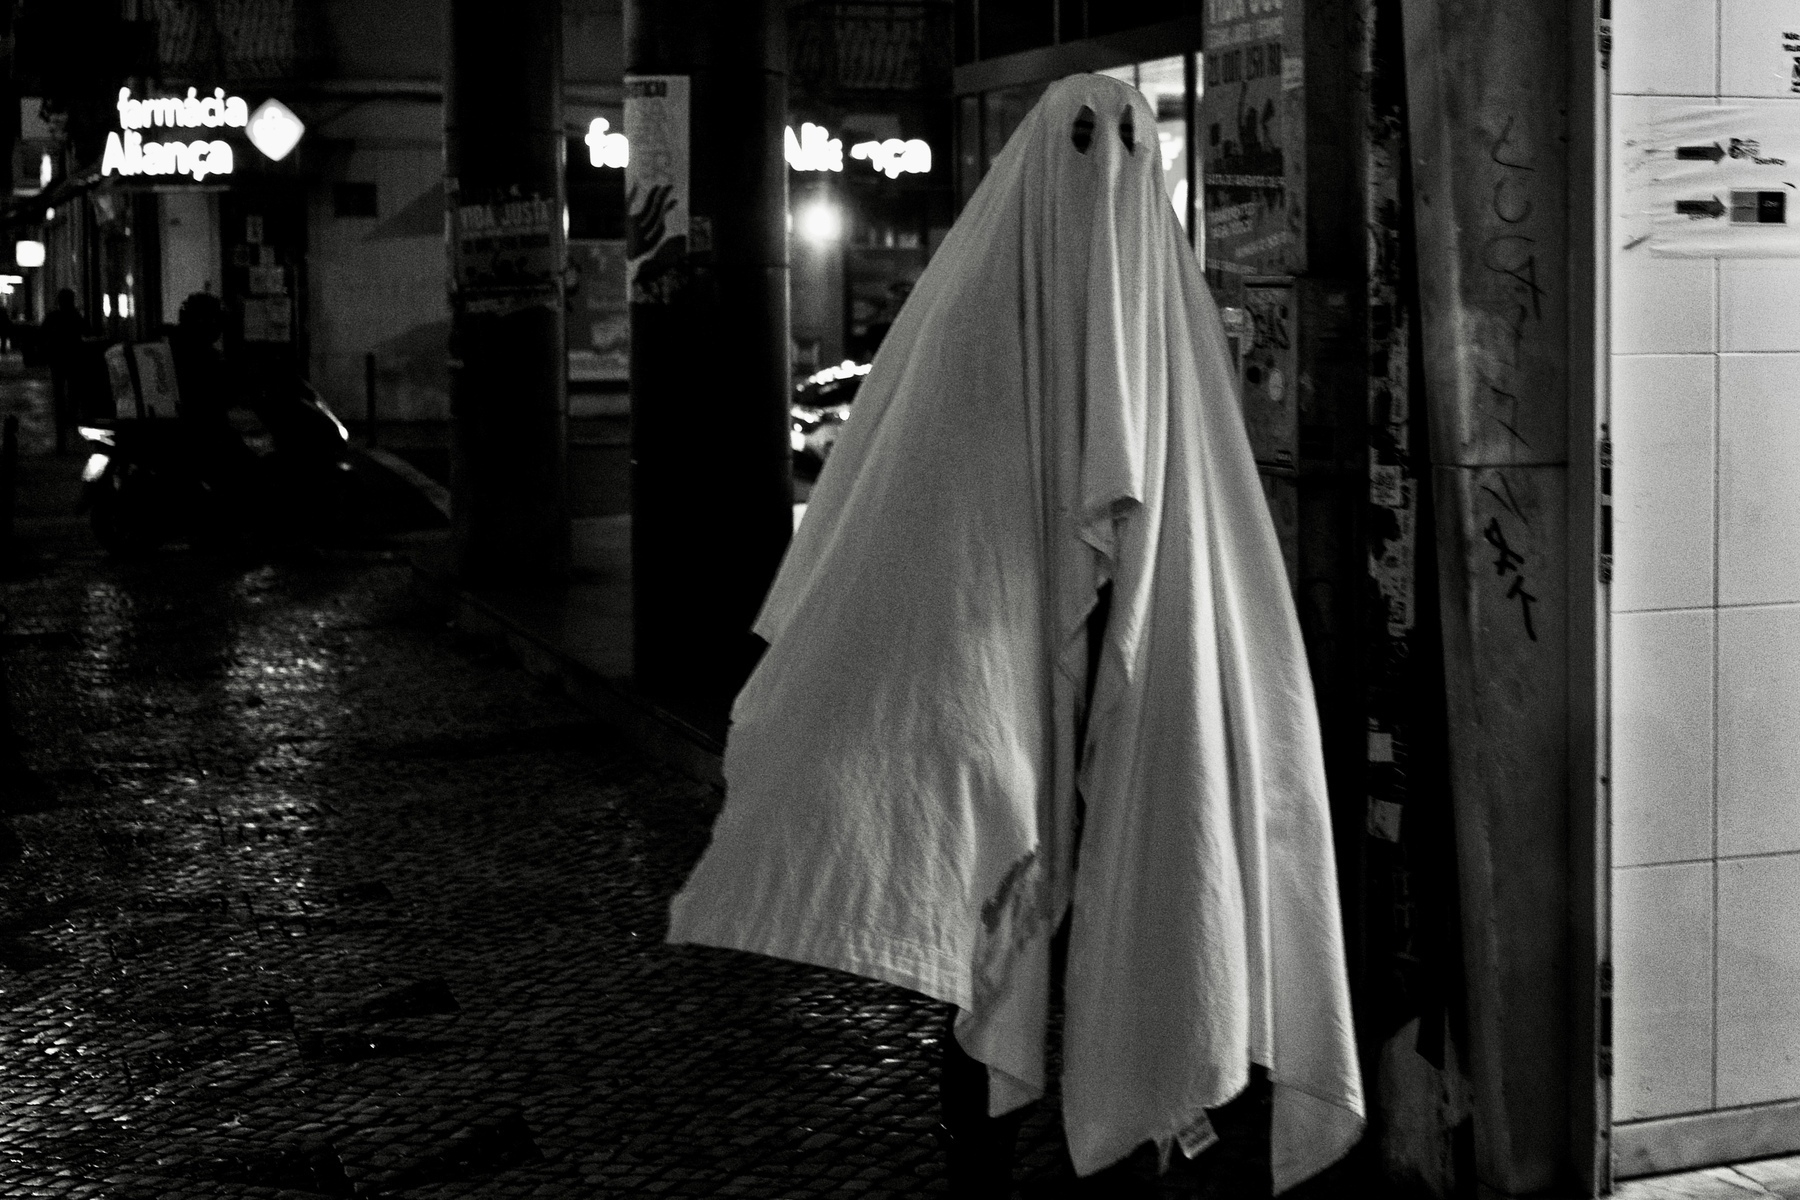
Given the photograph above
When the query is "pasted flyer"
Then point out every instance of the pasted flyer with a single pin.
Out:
(657, 199)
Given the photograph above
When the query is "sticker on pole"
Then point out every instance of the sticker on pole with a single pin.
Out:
(1705, 182)
(658, 216)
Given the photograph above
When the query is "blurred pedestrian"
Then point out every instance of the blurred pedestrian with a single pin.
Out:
(203, 395)
(59, 341)
(6, 330)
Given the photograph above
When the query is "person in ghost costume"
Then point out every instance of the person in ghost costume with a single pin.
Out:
(1053, 411)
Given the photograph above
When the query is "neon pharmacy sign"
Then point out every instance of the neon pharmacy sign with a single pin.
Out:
(814, 149)
(132, 155)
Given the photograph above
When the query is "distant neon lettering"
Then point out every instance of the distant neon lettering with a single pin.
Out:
(131, 155)
(894, 157)
(606, 149)
(192, 111)
(813, 149)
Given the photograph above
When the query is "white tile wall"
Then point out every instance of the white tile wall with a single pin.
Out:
(1662, 703)
(1705, 675)
(1662, 990)
(1759, 303)
(1663, 305)
(1759, 489)
(1759, 980)
(1753, 63)
(1665, 47)
(1662, 431)
(1759, 731)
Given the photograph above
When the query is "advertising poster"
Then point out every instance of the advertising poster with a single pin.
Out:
(1250, 114)
(1267, 370)
(156, 376)
(268, 319)
(506, 252)
(599, 320)
(657, 213)
(118, 376)
(1712, 182)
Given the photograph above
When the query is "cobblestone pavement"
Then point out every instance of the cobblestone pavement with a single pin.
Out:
(324, 901)
(307, 895)
(317, 899)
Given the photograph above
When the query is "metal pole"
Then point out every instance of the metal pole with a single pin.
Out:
(712, 493)
(503, 163)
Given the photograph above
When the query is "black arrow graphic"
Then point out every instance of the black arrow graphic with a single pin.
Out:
(1713, 152)
(1700, 208)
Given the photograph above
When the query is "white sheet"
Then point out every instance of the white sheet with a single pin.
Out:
(1053, 408)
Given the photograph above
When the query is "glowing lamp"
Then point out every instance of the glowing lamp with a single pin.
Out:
(28, 253)
(46, 171)
(821, 222)
(274, 129)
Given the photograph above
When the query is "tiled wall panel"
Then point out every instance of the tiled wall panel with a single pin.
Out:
(1662, 782)
(1704, 414)
(1758, 980)
(1662, 430)
(1663, 990)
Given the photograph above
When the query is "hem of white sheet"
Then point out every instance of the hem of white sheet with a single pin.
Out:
(1332, 1128)
(841, 947)
(1091, 1156)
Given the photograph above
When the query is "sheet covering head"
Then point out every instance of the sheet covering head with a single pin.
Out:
(1054, 409)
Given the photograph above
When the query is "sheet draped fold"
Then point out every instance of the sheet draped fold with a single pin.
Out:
(1053, 410)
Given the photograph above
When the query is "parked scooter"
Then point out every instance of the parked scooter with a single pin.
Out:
(278, 474)
(241, 461)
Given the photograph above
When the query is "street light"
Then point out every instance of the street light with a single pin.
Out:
(28, 253)
(821, 222)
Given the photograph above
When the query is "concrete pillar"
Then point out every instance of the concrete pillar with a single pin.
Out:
(503, 182)
(706, 100)
(1503, 206)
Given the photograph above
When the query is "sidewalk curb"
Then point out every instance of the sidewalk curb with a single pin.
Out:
(650, 729)
(433, 492)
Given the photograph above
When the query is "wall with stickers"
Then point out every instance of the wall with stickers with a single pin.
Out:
(1705, 581)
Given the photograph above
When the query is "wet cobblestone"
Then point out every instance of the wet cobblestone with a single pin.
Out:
(320, 900)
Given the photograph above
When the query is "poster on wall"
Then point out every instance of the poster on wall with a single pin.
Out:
(1698, 181)
(599, 320)
(658, 220)
(505, 253)
(1267, 369)
(118, 378)
(1250, 113)
(156, 376)
(268, 319)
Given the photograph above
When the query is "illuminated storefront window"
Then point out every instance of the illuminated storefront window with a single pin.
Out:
(1163, 82)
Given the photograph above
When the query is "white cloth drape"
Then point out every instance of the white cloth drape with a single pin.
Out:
(1053, 409)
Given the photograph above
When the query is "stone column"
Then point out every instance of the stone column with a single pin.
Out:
(1503, 203)
(503, 181)
(706, 99)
